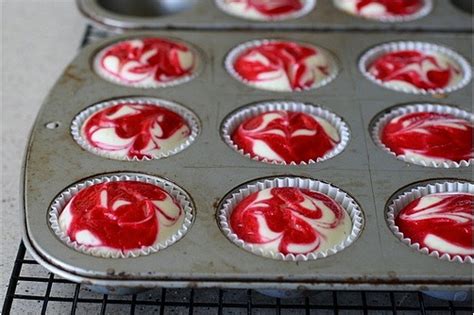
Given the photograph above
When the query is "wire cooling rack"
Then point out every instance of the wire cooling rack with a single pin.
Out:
(34, 290)
(53, 295)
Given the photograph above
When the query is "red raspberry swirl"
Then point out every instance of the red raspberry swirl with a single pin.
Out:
(283, 63)
(122, 215)
(147, 60)
(135, 130)
(271, 8)
(286, 136)
(431, 135)
(442, 222)
(393, 7)
(421, 70)
(291, 220)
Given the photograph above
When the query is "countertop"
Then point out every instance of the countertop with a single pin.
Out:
(39, 38)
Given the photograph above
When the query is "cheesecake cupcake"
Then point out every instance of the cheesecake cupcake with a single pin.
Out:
(282, 132)
(436, 219)
(266, 10)
(415, 67)
(138, 128)
(290, 218)
(281, 65)
(386, 10)
(148, 62)
(121, 215)
(427, 134)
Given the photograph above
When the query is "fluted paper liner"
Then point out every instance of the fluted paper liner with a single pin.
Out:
(380, 122)
(424, 11)
(233, 120)
(232, 199)
(369, 56)
(190, 118)
(198, 66)
(405, 197)
(307, 7)
(182, 197)
(239, 49)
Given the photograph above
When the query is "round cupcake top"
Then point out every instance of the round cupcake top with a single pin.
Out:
(290, 220)
(147, 62)
(266, 10)
(121, 216)
(133, 130)
(382, 9)
(429, 136)
(286, 136)
(283, 65)
(441, 222)
(416, 70)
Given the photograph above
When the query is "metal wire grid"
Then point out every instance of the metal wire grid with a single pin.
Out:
(61, 296)
(53, 295)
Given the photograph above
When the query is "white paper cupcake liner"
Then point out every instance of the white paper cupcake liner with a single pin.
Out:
(308, 6)
(233, 120)
(190, 118)
(424, 11)
(198, 66)
(175, 191)
(380, 121)
(232, 199)
(369, 56)
(239, 49)
(403, 197)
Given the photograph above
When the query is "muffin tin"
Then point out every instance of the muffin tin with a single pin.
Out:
(205, 14)
(209, 169)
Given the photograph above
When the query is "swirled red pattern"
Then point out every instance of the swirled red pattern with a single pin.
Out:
(147, 59)
(280, 60)
(421, 70)
(136, 130)
(430, 134)
(122, 215)
(443, 221)
(298, 220)
(286, 136)
(272, 8)
(393, 7)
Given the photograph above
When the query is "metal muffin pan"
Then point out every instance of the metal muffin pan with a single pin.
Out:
(204, 14)
(209, 169)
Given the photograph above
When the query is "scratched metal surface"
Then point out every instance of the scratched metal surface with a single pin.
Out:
(204, 257)
(205, 14)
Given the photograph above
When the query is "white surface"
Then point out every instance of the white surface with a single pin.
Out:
(39, 39)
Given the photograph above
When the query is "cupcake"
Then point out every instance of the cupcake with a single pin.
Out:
(135, 128)
(441, 222)
(147, 62)
(427, 134)
(290, 218)
(121, 216)
(386, 10)
(266, 10)
(285, 132)
(415, 67)
(280, 65)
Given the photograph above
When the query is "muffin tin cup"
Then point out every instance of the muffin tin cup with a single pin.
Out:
(190, 118)
(233, 120)
(403, 198)
(380, 122)
(307, 7)
(175, 191)
(369, 56)
(232, 199)
(197, 69)
(424, 11)
(239, 49)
